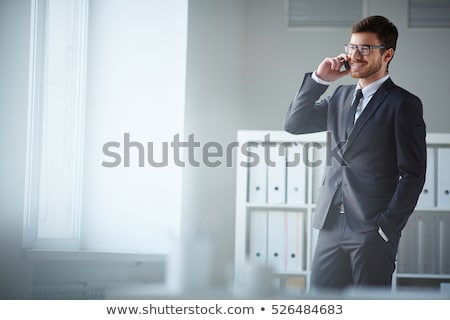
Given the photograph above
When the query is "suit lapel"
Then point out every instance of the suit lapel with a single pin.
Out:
(371, 107)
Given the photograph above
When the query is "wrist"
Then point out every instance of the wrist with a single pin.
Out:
(318, 79)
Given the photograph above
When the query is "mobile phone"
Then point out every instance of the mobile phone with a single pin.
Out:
(346, 64)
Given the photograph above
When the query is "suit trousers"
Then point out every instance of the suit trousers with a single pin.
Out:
(347, 259)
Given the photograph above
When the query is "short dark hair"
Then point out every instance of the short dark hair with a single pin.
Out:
(385, 30)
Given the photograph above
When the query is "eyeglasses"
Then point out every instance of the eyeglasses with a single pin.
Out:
(363, 50)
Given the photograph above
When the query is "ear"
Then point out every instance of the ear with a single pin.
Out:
(388, 55)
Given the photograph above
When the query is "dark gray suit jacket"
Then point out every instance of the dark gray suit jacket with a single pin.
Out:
(382, 165)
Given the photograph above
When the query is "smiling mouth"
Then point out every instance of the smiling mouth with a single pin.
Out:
(356, 66)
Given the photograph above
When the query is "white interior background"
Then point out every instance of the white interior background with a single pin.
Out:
(243, 67)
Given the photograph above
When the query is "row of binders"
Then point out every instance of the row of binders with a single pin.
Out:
(278, 239)
(436, 191)
(425, 244)
(282, 176)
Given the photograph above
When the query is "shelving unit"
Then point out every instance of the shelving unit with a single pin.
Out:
(275, 203)
(275, 229)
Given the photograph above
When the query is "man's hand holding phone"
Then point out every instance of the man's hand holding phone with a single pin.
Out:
(331, 69)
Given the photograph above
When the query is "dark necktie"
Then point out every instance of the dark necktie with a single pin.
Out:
(351, 113)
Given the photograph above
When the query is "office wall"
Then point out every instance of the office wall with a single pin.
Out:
(214, 112)
(276, 59)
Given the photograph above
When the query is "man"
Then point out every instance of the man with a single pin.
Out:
(378, 162)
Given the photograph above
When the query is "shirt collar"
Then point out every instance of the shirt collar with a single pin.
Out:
(373, 87)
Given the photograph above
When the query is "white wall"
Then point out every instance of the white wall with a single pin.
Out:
(214, 112)
(276, 59)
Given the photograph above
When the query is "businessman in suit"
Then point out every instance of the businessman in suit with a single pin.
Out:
(376, 169)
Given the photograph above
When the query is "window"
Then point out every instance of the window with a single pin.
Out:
(429, 13)
(323, 13)
(117, 76)
(55, 123)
